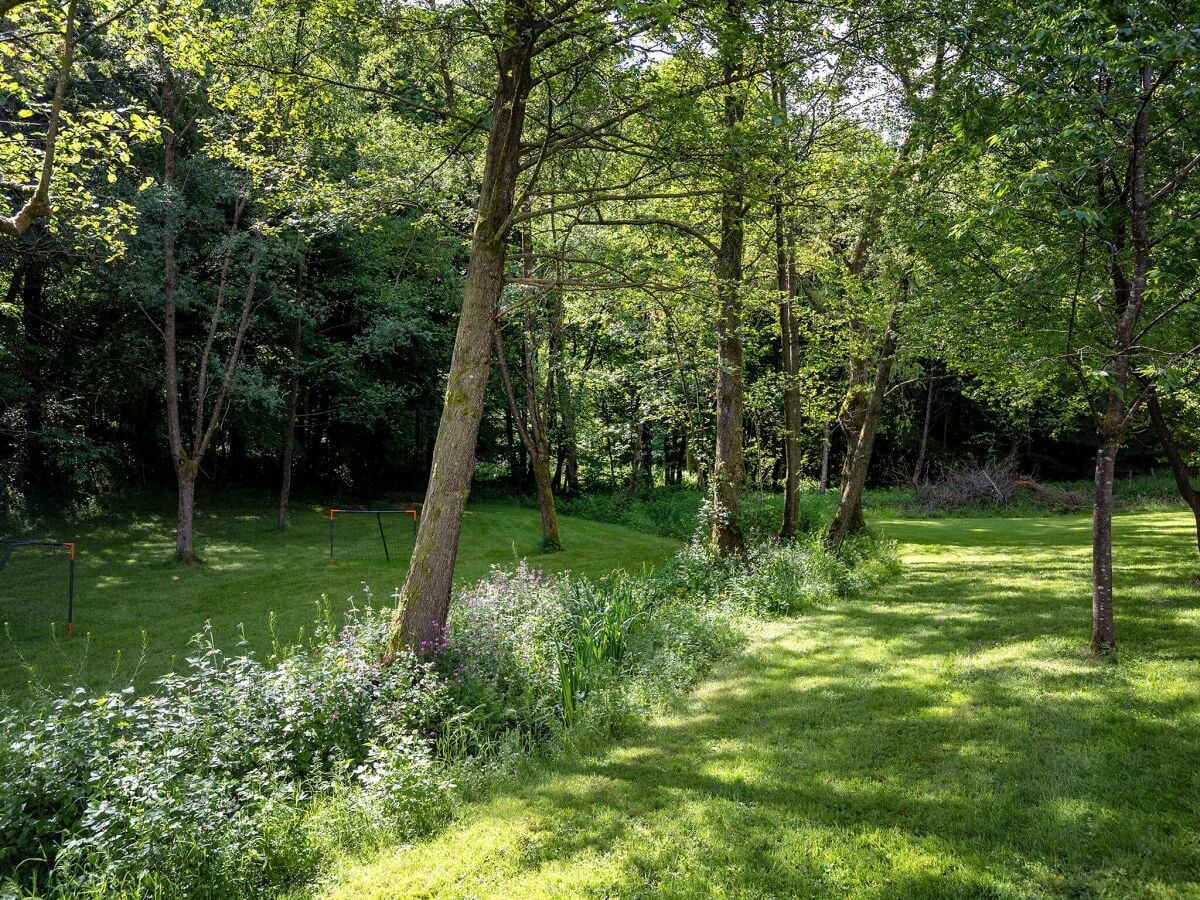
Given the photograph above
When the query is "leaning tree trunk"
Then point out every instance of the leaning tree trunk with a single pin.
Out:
(852, 418)
(425, 596)
(1179, 469)
(853, 414)
(289, 435)
(849, 517)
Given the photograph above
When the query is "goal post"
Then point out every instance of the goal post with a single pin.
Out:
(413, 511)
(9, 545)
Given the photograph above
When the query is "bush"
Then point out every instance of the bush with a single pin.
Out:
(783, 578)
(208, 775)
(500, 658)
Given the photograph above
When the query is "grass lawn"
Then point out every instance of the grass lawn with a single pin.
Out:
(128, 588)
(949, 737)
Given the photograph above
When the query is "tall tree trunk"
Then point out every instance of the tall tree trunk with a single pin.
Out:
(515, 464)
(635, 457)
(185, 474)
(289, 435)
(538, 434)
(786, 286)
(646, 469)
(785, 274)
(1179, 469)
(919, 467)
(1129, 291)
(849, 517)
(206, 422)
(728, 470)
(425, 595)
(1103, 631)
(826, 453)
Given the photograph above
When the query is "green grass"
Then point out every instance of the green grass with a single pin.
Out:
(949, 737)
(129, 589)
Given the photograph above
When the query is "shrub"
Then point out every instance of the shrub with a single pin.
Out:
(782, 578)
(207, 775)
(501, 655)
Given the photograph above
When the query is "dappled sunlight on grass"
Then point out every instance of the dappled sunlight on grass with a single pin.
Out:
(951, 736)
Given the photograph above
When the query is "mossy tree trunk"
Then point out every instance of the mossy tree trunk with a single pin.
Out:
(425, 594)
(728, 470)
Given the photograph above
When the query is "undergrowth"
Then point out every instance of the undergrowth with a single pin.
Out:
(248, 777)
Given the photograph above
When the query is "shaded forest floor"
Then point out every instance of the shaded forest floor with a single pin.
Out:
(136, 609)
(949, 737)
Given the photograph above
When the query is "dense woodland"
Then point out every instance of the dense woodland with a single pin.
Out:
(336, 247)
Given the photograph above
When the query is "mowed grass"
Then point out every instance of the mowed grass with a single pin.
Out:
(949, 737)
(136, 609)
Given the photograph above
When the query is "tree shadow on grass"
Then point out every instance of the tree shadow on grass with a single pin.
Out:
(949, 737)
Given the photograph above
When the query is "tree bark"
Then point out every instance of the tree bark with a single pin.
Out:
(289, 434)
(1179, 469)
(728, 469)
(425, 595)
(185, 530)
(849, 517)
(1103, 631)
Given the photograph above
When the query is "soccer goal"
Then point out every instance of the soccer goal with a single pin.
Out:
(411, 511)
(9, 546)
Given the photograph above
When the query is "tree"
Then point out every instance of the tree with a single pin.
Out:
(1103, 126)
